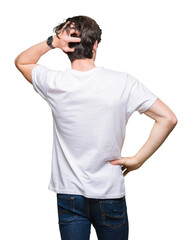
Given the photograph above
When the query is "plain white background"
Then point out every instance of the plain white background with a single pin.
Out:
(150, 40)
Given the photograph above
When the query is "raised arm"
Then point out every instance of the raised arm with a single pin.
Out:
(165, 121)
(27, 60)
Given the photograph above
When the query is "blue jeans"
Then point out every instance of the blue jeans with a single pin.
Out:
(76, 213)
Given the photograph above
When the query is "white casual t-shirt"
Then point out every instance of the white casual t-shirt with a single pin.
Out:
(90, 111)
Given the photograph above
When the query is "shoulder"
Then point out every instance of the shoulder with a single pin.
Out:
(42, 72)
(42, 68)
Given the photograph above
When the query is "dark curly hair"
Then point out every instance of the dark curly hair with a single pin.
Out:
(89, 32)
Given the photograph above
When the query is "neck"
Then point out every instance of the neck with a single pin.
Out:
(83, 64)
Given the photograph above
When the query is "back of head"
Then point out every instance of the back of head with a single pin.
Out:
(89, 32)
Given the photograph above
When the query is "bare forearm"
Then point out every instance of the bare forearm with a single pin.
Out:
(158, 134)
(32, 54)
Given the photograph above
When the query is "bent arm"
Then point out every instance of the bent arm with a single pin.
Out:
(165, 121)
(27, 60)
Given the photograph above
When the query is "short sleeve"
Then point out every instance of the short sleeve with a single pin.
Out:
(39, 76)
(140, 97)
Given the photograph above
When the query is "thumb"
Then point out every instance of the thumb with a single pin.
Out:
(116, 162)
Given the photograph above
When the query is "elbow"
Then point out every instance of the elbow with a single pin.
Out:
(17, 65)
(175, 121)
(172, 120)
(16, 62)
(169, 120)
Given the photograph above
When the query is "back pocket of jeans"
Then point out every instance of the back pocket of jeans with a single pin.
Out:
(113, 212)
(65, 205)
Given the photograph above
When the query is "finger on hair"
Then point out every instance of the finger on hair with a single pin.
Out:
(65, 27)
(74, 31)
(70, 49)
(74, 39)
(66, 24)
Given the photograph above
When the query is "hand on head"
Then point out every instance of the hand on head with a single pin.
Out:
(65, 36)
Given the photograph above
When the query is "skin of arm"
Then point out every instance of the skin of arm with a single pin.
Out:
(26, 61)
(165, 121)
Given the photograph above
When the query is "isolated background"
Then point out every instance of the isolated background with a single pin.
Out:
(151, 40)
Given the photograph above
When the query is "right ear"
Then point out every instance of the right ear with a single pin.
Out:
(95, 46)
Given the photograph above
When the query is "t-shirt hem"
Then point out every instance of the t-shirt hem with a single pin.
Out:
(53, 189)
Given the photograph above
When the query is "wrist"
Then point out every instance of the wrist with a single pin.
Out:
(139, 160)
(50, 42)
(55, 42)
